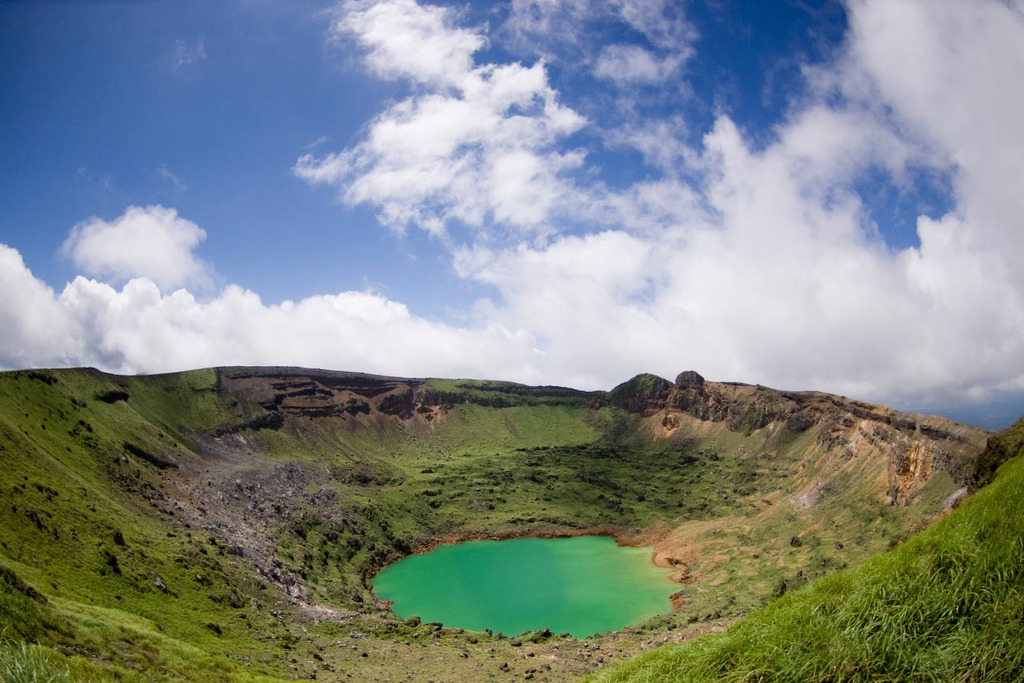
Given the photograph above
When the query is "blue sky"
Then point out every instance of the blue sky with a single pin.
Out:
(805, 194)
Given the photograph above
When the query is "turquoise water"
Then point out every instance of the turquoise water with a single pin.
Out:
(582, 585)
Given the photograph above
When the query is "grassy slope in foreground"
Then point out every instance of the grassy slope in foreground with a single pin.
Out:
(217, 524)
(82, 554)
(945, 606)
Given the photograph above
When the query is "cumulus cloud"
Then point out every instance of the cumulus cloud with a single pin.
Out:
(752, 260)
(152, 242)
(488, 146)
(138, 328)
(477, 147)
(404, 39)
(769, 267)
(33, 328)
(746, 260)
(958, 87)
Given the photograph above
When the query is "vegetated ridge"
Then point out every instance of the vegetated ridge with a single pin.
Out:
(944, 606)
(223, 524)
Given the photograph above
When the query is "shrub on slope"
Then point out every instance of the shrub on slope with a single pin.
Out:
(945, 606)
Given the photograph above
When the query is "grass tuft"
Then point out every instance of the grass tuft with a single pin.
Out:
(21, 662)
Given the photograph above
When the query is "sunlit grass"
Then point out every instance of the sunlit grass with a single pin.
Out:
(89, 524)
(945, 606)
(21, 662)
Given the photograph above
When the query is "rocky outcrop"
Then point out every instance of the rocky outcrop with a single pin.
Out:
(645, 394)
(274, 398)
(1000, 448)
(913, 446)
(743, 407)
(277, 398)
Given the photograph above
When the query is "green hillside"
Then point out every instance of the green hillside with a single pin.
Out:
(222, 524)
(944, 606)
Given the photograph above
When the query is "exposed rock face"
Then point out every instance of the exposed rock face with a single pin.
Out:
(399, 403)
(744, 407)
(273, 398)
(689, 396)
(281, 398)
(915, 446)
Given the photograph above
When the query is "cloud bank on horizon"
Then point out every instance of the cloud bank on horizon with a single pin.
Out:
(746, 255)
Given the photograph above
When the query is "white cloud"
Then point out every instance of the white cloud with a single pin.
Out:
(774, 270)
(548, 27)
(404, 39)
(477, 147)
(152, 242)
(758, 262)
(486, 146)
(140, 329)
(662, 22)
(958, 85)
(632, 64)
(750, 261)
(33, 328)
(567, 29)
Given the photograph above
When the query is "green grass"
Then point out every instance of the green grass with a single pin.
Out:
(944, 606)
(93, 468)
(180, 401)
(24, 663)
(503, 394)
(79, 528)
